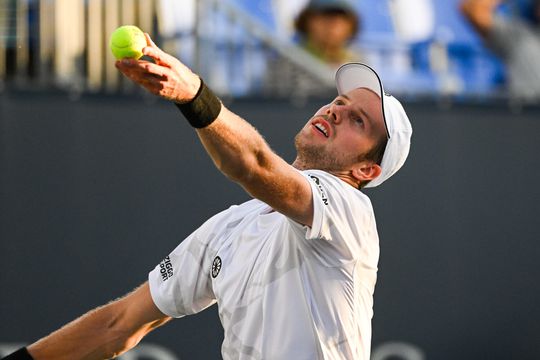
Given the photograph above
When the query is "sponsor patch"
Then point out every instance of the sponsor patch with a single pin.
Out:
(166, 269)
(321, 190)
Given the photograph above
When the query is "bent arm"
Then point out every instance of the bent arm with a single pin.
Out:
(105, 332)
(236, 148)
(480, 14)
(242, 154)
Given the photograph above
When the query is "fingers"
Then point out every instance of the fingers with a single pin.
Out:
(141, 67)
(166, 76)
(146, 74)
(159, 56)
(153, 69)
(151, 76)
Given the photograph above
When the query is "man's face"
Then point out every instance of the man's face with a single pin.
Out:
(338, 136)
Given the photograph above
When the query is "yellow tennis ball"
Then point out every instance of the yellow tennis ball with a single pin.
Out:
(127, 42)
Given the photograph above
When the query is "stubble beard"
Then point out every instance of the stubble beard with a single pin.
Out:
(316, 156)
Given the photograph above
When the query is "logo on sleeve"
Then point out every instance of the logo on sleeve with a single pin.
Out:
(321, 190)
(166, 269)
(216, 266)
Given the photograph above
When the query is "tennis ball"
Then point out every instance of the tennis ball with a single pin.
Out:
(127, 42)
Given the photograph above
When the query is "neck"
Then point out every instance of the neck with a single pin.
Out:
(347, 177)
(299, 165)
(344, 175)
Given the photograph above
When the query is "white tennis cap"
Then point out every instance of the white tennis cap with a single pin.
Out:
(398, 127)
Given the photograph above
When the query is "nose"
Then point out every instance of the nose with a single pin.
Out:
(333, 113)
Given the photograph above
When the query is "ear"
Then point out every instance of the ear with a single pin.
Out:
(366, 170)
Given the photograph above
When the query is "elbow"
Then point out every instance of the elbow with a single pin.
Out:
(120, 337)
(126, 331)
(125, 339)
(121, 345)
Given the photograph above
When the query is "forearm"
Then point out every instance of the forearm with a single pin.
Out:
(105, 332)
(236, 147)
(242, 154)
(92, 336)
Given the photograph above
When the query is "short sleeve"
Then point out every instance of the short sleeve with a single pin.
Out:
(180, 284)
(320, 226)
(343, 226)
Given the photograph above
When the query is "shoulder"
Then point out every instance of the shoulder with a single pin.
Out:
(343, 216)
(232, 214)
(334, 191)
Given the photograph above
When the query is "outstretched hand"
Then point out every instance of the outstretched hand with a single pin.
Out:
(166, 76)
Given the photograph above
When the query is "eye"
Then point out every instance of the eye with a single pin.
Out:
(359, 120)
(339, 102)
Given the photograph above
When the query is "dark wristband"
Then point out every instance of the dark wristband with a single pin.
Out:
(21, 354)
(203, 109)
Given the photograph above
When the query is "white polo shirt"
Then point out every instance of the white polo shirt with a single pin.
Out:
(284, 290)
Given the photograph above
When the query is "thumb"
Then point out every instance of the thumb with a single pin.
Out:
(153, 51)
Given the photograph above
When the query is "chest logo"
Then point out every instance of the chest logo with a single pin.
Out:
(216, 266)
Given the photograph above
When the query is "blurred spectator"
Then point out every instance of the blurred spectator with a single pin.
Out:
(515, 40)
(326, 29)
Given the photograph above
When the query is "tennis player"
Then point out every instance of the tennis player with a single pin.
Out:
(293, 270)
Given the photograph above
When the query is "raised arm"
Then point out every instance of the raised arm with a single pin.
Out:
(235, 146)
(105, 332)
(480, 14)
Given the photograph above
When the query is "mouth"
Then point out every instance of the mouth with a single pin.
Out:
(322, 127)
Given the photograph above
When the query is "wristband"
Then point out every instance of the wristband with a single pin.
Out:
(203, 109)
(21, 354)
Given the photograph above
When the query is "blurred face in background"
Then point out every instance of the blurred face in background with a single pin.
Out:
(332, 29)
